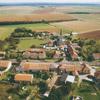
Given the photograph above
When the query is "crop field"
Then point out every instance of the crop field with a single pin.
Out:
(88, 18)
(45, 10)
(85, 22)
(79, 26)
(90, 35)
(36, 18)
(16, 10)
(78, 8)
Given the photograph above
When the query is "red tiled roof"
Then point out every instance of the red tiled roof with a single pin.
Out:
(23, 77)
(4, 63)
(70, 67)
(35, 66)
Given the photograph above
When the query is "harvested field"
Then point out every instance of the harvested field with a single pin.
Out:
(17, 10)
(44, 10)
(90, 35)
(25, 10)
(67, 9)
(79, 26)
(37, 18)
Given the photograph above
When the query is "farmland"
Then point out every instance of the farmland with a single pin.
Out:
(79, 26)
(95, 35)
(5, 31)
(88, 18)
(36, 18)
(84, 23)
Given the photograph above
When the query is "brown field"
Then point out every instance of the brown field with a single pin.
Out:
(46, 10)
(90, 35)
(36, 18)
(79, 26)
(66, 9)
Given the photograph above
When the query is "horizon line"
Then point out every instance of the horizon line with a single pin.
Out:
(50, 2)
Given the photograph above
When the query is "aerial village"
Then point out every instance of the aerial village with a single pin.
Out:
(37, 71)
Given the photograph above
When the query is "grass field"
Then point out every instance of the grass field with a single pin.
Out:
(5, 31)
(27, 43)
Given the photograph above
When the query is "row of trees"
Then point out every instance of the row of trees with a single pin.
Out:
(23, 32)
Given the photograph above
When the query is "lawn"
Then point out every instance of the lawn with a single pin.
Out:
(6, 30)
(27, 43)
(87, 91)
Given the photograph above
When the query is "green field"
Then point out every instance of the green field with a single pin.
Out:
(27, 43)
(6, 30)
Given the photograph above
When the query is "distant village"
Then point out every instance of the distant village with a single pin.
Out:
(56, 63)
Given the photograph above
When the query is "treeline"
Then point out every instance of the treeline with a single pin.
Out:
(83, 12)
(32, 22)
(80, 13)
(24, 32)
(20, 22)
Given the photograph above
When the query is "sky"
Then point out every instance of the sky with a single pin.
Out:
(57, 1)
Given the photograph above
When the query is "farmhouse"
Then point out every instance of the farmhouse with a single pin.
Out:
(96, 56)
(23, 78)
(74, 67)
(35, 53)
(5, 64)
(69, 67)
(26, 66)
